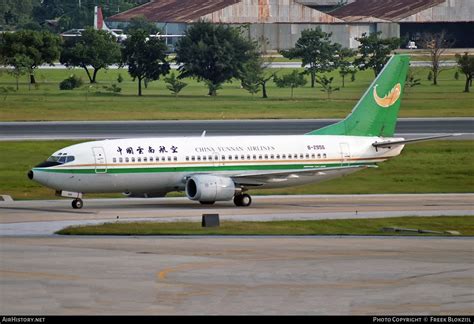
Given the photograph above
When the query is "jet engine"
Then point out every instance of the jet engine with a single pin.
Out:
(210, 188)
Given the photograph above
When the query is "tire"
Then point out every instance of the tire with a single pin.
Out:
(77, 203)
(246, 200)
(238, 200)
(243, 200)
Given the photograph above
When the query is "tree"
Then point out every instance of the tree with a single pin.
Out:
(95, 48)
(375, 51)
(14, 13)
(213, 53)
(146, 58)
(316, 51)
(466, 66)
(326, 84)
(174, 84)
(411, 80)
(20, 66)
(39, 47)
(292, 80)
(74, 13)
(255, 75)
(345, 66)
(436, 44)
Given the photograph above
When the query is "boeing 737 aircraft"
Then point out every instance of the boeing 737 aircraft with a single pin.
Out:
(223, 168)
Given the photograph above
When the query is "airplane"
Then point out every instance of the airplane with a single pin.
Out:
(99, 24)
(224, 168)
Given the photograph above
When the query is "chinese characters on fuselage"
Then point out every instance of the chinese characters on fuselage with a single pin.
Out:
(140, 150)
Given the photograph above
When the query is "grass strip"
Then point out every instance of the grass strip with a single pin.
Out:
(367, 226)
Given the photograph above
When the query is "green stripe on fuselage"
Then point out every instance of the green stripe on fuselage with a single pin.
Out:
(113, 170)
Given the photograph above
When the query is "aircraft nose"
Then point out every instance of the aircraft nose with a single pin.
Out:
(30, 174)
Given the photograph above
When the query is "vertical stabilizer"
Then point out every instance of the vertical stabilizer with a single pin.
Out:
(376, 112)
(99, 23)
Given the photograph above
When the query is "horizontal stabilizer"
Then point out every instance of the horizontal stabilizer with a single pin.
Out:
(413, 140)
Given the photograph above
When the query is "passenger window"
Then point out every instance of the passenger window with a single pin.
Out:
(272, 156)
(193, 158)
(313, 156)
(266, 156)
(175, 158)
(307, 156)
(120, 160)
(223, 157)
(278, 156)
(210, 157)
(324, 155)
(145, 159)
(204, 158)
(151, 158)
(236, 157)
(169, 158)
(163, 158)
(242, 157)
(114, 160)
(283, 156)
(248, 157)
(230, 157)
(254, 157)
(260, 157)
(187, 158)
(133, 159)
(301, 156)
(199, 158)
(139, 159)
(127, 160)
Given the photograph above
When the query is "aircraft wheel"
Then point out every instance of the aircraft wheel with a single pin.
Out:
(77, 203)
(242, 200)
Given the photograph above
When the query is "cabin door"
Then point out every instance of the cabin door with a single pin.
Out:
(345, 153)
(100, 160)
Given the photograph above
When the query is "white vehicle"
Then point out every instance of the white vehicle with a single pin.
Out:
(223, 168)
(411, 45)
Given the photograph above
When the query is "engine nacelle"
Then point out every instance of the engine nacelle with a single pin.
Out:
(210, 188)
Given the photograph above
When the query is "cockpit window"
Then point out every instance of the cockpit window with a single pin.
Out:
(60, 159)
(53, 158)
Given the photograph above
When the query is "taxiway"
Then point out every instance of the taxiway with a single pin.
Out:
(46, 274)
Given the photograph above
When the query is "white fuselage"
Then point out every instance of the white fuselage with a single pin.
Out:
(155, 166)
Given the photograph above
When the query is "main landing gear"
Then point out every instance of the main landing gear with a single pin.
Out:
(243, 200)
(77, 203)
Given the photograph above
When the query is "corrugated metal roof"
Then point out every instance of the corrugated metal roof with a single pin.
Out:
(174, 10)
(389, 10)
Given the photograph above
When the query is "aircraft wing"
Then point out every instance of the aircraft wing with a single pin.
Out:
(413, 140)
(265, 177)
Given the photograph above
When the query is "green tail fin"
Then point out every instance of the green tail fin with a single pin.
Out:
(376, 112)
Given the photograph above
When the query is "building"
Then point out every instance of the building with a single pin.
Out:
(278, 23)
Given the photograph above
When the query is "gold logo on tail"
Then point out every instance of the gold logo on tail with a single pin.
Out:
(390, 98)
